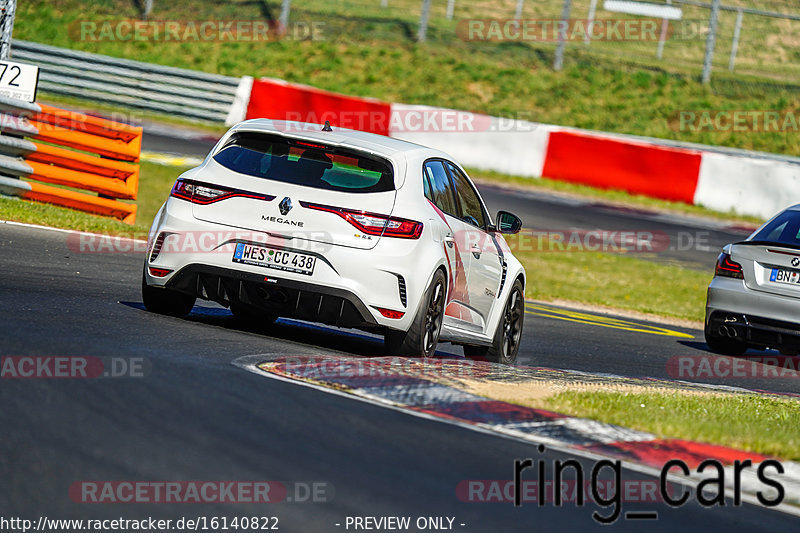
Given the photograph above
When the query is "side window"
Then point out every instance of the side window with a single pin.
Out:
(438, 189)
(468, 200)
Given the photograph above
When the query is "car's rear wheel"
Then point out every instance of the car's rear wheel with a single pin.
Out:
(423, 335)
(508, 334)
(252, 315)
(165, 301)
(724, 345)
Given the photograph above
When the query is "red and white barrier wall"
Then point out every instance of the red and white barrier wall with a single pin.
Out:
(748, 183)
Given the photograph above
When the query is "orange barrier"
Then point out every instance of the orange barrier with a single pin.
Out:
(75, 150)
(81, 202)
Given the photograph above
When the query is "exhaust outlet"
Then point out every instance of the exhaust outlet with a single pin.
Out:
(723, 331)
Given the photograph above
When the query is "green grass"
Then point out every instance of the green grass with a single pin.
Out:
(368, 51)
(617, 281)
(761, 424)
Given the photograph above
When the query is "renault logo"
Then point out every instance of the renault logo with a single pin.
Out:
(795, 261)
(285, 206)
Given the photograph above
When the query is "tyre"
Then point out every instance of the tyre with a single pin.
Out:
(165, 301)
(508, 334)
(422, 337)
(252, 315)
(724, 345)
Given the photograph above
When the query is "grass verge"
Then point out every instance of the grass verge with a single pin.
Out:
(761, 424)
(616, 281)
(756, 423)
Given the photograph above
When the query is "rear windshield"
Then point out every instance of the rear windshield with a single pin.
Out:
(301, 163)
(784, 229)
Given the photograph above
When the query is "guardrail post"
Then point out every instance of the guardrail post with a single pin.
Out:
(710, 41)
(562, 43)
(423, 20)
(735, 45)
(9, 9)
(590, 21)
(284, 17)
(663, 36)
(148, 8)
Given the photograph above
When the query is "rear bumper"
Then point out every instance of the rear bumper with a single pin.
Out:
(755, 330)
(758, 318)
(286, 298)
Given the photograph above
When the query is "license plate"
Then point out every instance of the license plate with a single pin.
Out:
(790, 277)
(263, 256)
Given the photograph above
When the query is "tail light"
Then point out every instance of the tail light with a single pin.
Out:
(373, 223)
(159, 272)
(389, 313)
(204, 193)
(728, 268)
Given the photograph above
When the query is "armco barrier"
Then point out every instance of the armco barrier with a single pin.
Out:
(483, 142)
(750, 185)
(56, 153)
(123, 82)
(639, 168)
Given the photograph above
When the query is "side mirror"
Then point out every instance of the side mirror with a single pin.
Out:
(508, 223)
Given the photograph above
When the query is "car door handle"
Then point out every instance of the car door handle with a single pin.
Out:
(450, 240)
(476, 251)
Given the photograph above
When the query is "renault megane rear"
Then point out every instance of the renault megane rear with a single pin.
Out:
(341, 227)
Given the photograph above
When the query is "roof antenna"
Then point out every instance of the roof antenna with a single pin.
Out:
(327, 126)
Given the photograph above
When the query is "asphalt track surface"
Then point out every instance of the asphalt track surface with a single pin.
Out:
(195, 416)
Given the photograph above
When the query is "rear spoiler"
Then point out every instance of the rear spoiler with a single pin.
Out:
(767, 243)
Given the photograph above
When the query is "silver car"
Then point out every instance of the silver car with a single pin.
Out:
(754, 298)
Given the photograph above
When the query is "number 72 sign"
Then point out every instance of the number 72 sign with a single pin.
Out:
(18, 80)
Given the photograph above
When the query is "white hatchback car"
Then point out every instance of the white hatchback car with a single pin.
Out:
(341, 227)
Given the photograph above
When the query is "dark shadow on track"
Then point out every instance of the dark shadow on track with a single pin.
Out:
(327, 338)
(697, 345)
(751, 352)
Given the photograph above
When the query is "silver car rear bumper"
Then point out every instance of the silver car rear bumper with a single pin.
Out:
(757, 318)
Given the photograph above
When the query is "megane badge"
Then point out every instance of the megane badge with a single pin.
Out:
(285, 206)
(795, 262)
